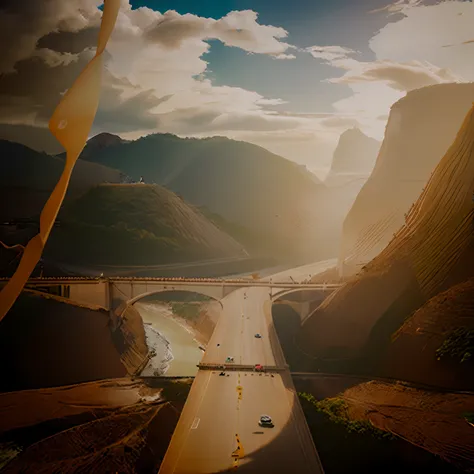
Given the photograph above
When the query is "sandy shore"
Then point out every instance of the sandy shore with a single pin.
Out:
(174, 342)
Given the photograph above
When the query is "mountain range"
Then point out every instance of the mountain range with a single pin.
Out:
(273, 198)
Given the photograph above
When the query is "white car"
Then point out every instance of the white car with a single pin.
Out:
(266, 422)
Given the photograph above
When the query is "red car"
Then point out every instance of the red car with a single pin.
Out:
(259, 367)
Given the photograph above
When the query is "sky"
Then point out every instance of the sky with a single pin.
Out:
(290, 76)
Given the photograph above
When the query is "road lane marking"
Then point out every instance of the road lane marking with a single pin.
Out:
(195, 423)
(239, 452)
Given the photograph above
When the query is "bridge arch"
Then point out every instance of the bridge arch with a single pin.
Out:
(130, 291)
(308, 293)
(179, 290)
(121, 308)
(306, 300)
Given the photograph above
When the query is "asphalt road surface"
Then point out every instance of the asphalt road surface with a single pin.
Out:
(221, 415)
(299, 274)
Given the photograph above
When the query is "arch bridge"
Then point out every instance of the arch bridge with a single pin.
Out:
(112, 293)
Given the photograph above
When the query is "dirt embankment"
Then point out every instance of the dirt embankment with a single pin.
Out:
(197, 312)
(433, 421)
(130, 341)
(206, 321)
(31, 407)
(427, 255)
(47, 343)
(421, 338)
(117, 425)
(329, 276)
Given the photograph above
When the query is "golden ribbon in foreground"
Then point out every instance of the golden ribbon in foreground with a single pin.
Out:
(70, 124)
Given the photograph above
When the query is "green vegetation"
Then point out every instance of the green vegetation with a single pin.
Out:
(8, 451)
(458, 345)
(242, 234)
(188, 311)
(336, 410)
(134, 225)
(469, 416)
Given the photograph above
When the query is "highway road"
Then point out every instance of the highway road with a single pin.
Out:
(221, 415)
(302, 273)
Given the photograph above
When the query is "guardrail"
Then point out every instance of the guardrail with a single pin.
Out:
(178, 280)
(242, 367)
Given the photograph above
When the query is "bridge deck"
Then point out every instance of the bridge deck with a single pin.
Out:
(241, 367)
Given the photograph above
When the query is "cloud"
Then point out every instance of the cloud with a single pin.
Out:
(340, 122)
(24, 22)
(238, 29)
(155, 78)
(397, 7)
(54, 58)
(330, 53)
(399, 76)
(410, 52)
(422, 32)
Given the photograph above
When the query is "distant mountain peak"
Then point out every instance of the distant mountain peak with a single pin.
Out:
(355, 153)
(105, 139)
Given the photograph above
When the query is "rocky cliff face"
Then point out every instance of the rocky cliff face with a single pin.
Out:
(431, 252)
(420, 129)
(353, 159)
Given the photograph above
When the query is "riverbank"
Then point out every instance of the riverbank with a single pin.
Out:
(173, 343)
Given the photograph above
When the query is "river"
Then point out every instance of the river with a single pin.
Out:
(177, 352)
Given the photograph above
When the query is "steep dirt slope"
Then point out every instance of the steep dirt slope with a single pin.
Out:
(31, 407)
(47, 343)
(132, 441)
(431, 252)
(109, 426)
(438, 340)
(432, 421)
(420, 129)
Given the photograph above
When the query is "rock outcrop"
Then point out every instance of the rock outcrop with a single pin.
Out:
(431, 252)
(353, 159)
(420, 129)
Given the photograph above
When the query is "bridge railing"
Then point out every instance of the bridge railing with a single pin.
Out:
(176, 282)
(242, 367)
